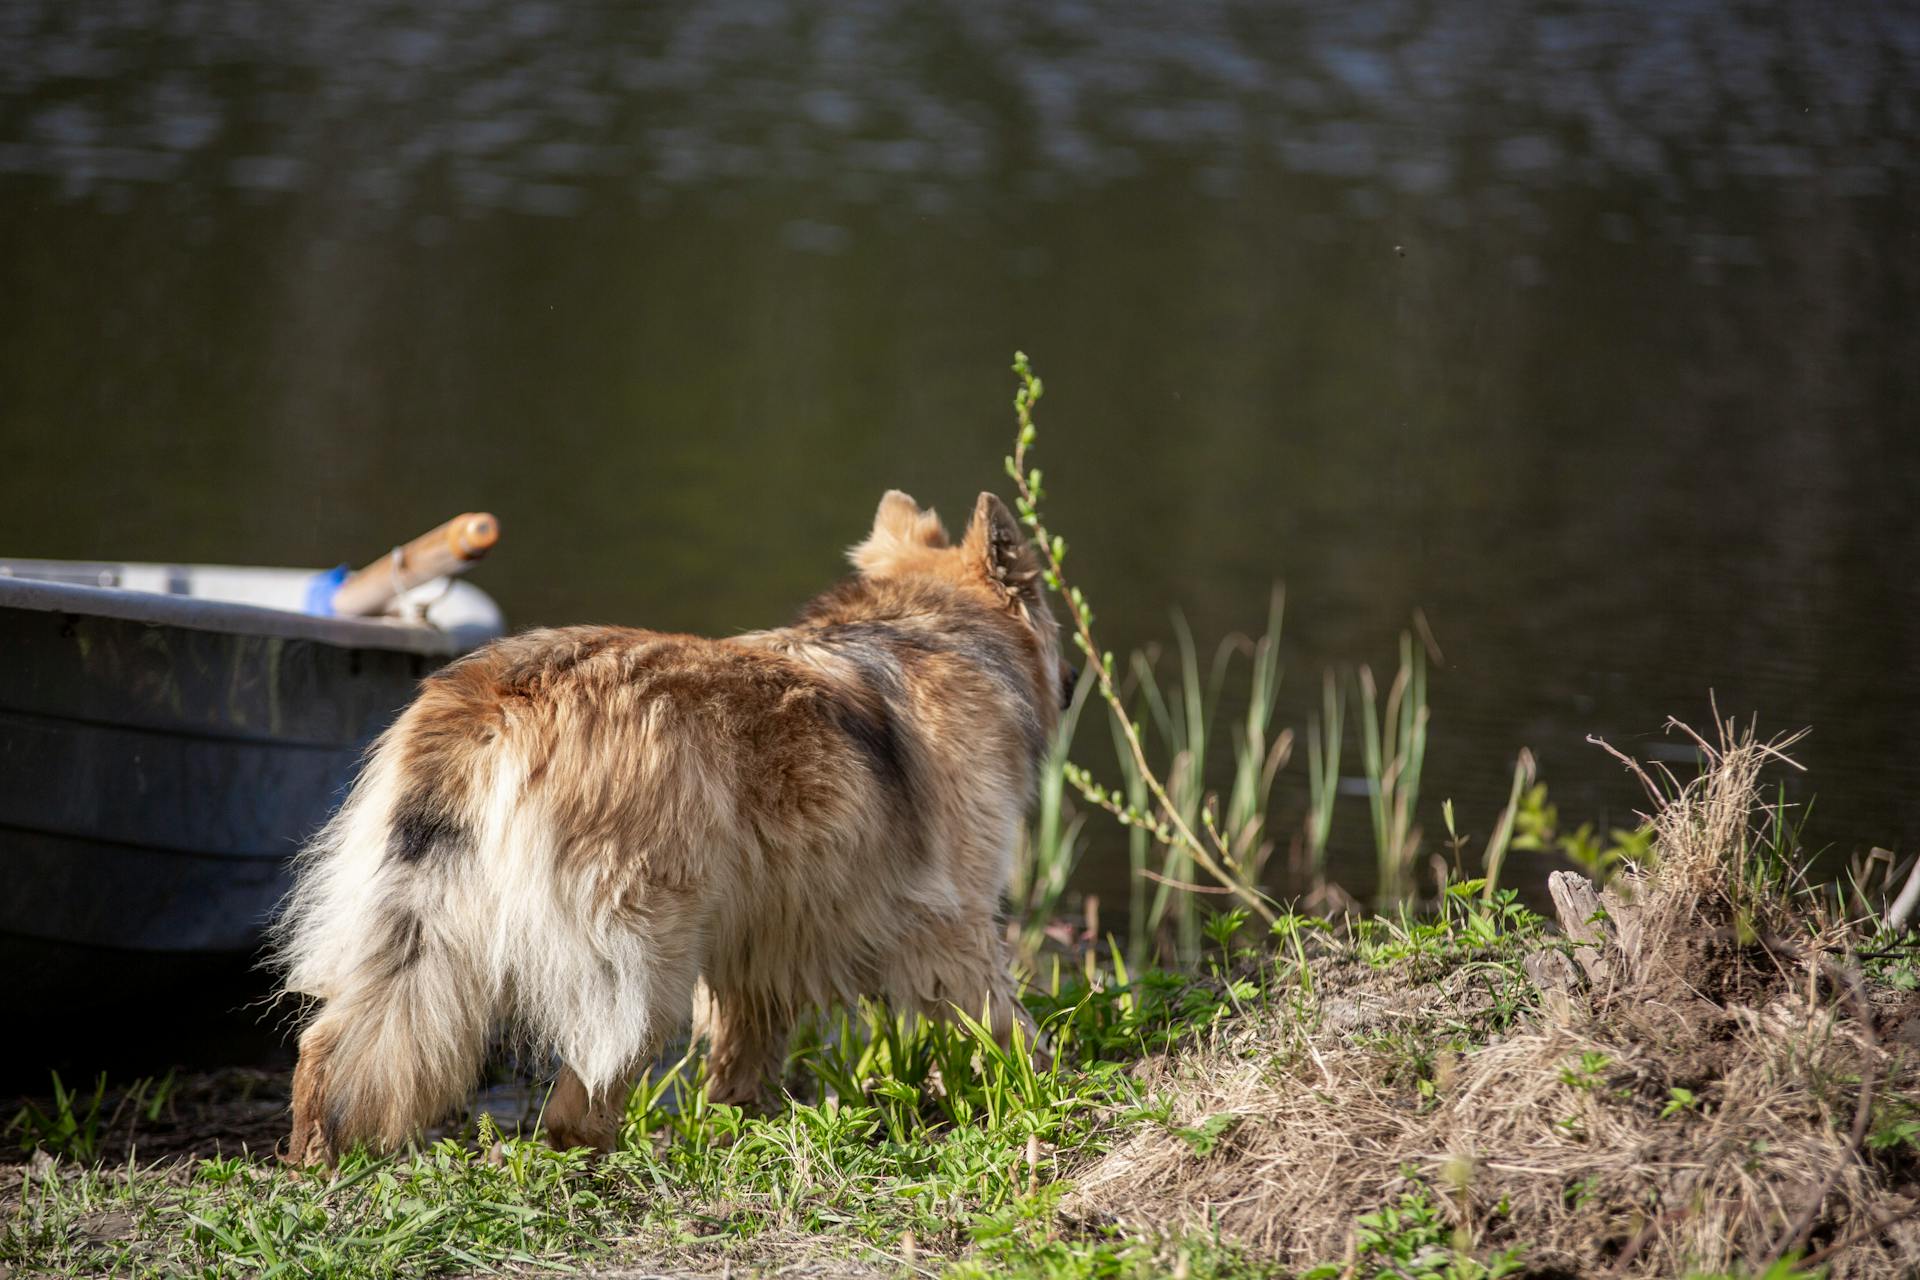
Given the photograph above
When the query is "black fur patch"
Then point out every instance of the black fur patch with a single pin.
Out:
(869, 720)
(874, 719)
(987, 647)
(877, 647)
(406, 938)
(872, 729)
(422, 828)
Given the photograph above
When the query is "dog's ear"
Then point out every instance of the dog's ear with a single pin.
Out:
(900, 528)
(998, 550)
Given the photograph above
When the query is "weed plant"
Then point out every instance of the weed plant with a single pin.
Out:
(1185, 851)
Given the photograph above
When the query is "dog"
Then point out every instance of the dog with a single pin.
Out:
(568, 829)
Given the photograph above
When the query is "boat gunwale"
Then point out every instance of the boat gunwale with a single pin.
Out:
(196, 613)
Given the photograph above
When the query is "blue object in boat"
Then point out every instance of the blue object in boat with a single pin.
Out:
(320, 589)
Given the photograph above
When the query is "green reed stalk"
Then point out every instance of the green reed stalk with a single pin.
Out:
(1255, 761)
(1185, 720)
(1394, 746)
(1323, 772)
(1142, 922)
(1502, 837)
(1050, 849)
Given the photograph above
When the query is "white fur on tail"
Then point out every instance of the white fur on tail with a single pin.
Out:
(418, 961)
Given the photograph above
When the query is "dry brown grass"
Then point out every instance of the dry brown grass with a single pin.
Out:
(1711, 977)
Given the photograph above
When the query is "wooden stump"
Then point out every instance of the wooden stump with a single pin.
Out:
(1584, 920)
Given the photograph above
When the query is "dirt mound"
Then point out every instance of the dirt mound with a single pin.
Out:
(1693, 1086)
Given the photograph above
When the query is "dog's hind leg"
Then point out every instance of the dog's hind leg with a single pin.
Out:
(309, 1144)
(576, 1118)
(393, 1051)
(621, 991)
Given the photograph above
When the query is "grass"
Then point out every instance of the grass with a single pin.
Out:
(1394, 749)
(906, 1139)
(76, 1125)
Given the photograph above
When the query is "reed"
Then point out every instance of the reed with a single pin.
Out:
(1180, 724)
(1180, 842)
(1259, 753)
(1323, 775)
(1394, 749)
(1051, 846)
(1502, 838)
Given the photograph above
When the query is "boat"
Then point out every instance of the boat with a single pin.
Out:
(169, 735)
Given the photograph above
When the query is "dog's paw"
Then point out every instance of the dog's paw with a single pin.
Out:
(565, 1137)
(307, 1149)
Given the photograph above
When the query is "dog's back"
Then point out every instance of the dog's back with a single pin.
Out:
(569, 827)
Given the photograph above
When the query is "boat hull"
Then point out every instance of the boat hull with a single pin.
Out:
(156, 779)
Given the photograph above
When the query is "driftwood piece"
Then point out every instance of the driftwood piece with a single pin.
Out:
(1627, 917)
(1584, 921)
(1556, 978)
(1903, 906)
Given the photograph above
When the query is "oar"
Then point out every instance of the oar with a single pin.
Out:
(452, 548)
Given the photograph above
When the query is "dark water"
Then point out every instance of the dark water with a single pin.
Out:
(1586, 328)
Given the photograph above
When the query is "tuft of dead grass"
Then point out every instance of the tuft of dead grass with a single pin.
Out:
(1691, 1097)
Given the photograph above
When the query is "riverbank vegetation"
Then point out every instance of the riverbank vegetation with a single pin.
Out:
(1705, 1064)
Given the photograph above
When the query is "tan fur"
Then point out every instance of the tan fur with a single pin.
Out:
(569, 828)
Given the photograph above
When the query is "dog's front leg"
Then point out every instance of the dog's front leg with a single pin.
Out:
(964, 967)
(747, 1046)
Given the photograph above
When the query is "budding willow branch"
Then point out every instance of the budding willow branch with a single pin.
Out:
(1174, 829)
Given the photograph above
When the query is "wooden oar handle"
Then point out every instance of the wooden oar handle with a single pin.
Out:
(451, 548)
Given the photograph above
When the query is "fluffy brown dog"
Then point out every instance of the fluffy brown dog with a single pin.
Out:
(568, 828)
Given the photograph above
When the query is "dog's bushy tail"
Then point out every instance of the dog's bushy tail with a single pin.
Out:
(386, 1058)
(444, 900)
(405, 1011)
